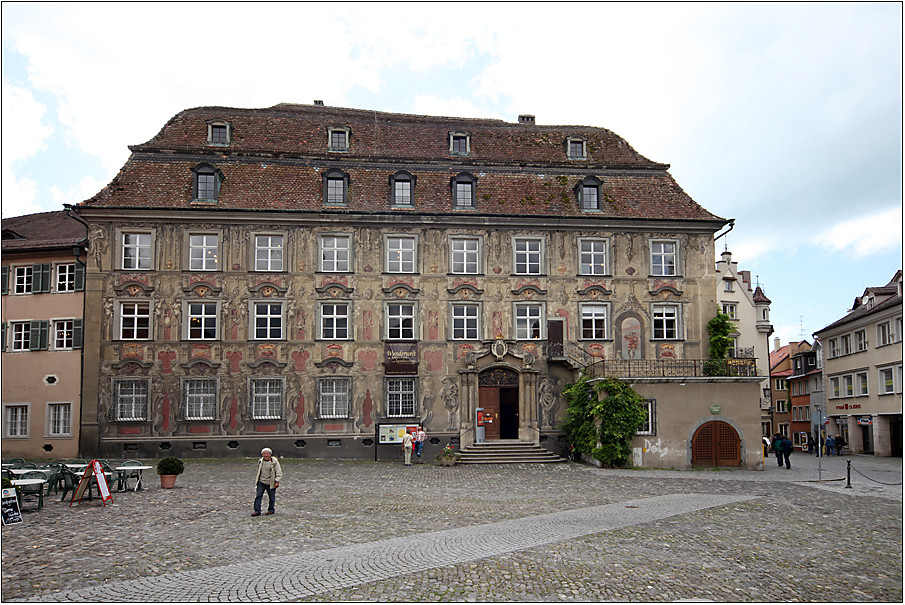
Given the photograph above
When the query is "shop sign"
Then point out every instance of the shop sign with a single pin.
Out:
(400, 358)
(865, 421)
(716, 409)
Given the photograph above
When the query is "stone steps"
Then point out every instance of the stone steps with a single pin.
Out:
(507, 452)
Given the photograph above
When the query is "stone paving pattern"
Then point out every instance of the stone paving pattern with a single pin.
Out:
(780, 536)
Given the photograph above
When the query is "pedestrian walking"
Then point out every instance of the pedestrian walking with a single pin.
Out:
(419, 437)
(786, 445)
(830, 445)
(811, 444)
(407, 441)
(777, 448)
(840, 443)
(766, 446)
(267, 479)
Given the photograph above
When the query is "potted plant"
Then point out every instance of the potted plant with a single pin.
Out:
(448, 456)
(168, 468)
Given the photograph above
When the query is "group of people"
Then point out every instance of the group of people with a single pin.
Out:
(270, 473)
(413, 440)
(782, 446)
(833, 445)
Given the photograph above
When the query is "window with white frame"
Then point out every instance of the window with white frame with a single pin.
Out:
(593, 256)
(335, 321)
(59, 419)
(401, 254)
(199, 396)
(204, 251)
(16, 420)
(400, 397)
(730, 309)
(201, 320)
(781, 406)
(860, 340)
(594, 322)
(845, 344)
(666, 321)
(884, 336)
(588, 193)
(835, 389)
(861, 382)
(528, 256)
(136, 251)
(66, 277)
(333, 396)
(206, 183)
(400, 321)
(335, 253)
(268, 253)
(529, 321)
(336, 188)
(266, 398)
(464, 190)
(268, 320)
(650, 417)
(848, 386)
(465, 321)
(728, 285)
(795, 412)
(887, 381)
(897, 334)
(22, 281)
(782, 384)
(733, 347)
(402, 188)
(218, 133)
(664, 257)
(465, 255)
(64, 334)
(21, 336)
(134, 320)
(833, 346)
(130, 398)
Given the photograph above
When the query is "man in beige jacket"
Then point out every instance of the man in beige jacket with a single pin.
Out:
(268, 478)
(407, 441)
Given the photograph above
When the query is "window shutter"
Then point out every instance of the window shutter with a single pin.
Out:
(38, 340)
(41, 278)
(5, 280)
(77, 332)
(46, 278)
(79, 276)
(3, 344)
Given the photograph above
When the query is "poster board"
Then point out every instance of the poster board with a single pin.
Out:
(93, 471)
(11, 513)
(393, 433)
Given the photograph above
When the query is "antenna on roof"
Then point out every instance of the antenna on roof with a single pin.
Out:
(801, 327)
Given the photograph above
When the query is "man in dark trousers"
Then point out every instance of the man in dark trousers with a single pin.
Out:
(786, 446)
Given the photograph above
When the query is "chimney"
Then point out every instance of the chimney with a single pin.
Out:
(318, 103)
(526, 118)
(776, 344)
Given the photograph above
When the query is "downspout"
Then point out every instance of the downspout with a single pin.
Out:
(731, 227)
(77, 250)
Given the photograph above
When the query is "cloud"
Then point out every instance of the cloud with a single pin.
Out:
(85, 188)
(864, 235)
(24, 133)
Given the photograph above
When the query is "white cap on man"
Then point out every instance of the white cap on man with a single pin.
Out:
(267, 450)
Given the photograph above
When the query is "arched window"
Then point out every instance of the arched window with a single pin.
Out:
(463, 187)
(206, 182)
(587, 191)
(336, 188)
(402, 188)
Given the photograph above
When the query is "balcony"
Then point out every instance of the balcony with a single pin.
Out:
(579, 358)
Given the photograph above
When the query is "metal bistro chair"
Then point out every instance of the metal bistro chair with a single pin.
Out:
(36, 489)
(17, 462)
(125, 475)
(53, 476)
(70, 481)
(30, 465)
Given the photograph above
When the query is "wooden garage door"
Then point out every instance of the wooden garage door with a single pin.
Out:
(716, 444)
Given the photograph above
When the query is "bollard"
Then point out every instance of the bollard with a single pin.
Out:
(848, 473)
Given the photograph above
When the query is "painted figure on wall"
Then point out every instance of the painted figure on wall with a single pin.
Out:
(631, 338)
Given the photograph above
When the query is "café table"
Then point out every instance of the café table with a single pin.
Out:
(21, 482)
(128, 469)
(22, 471)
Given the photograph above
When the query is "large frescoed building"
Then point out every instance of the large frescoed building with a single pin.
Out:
(298, 275)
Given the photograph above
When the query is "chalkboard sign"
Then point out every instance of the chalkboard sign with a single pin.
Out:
(11, 513)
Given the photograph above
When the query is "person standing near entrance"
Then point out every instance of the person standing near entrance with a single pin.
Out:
(830, 445)
(840, 443)
(407, 441)
(419, 437)
(268, 479)
(777, 448)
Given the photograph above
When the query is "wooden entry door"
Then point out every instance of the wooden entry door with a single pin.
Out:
(489, 399)
(716, 444)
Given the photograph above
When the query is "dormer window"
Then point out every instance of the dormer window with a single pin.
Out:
(575, 148)
(338, 139)
(402, 189)
(206, 182)
(588, 193)
(463, 187)
(218, 133)
(336, 188)
(459, 143)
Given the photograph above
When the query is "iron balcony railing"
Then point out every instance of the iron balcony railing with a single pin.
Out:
(672, 368)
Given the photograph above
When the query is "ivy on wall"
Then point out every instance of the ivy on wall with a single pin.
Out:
(602, 418)
(719, 328)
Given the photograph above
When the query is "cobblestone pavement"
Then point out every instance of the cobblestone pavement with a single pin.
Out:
(379, 531)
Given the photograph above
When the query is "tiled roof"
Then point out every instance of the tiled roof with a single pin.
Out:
(760, 297)
(277, 157)
(42, 231)
(862, 312)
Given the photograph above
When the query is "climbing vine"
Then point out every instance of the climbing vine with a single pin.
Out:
(720, 327)
(602, 418)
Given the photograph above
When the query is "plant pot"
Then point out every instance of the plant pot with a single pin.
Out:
(168, 481)
(446, 462)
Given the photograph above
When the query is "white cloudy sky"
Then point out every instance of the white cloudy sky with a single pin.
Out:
(785, 117)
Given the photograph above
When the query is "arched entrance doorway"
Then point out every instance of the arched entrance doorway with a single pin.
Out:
(498, 394)
(716, 443)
